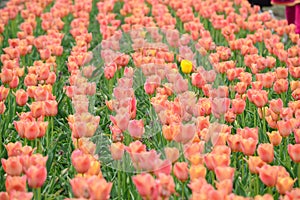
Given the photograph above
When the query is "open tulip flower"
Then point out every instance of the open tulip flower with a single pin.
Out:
(154, 100)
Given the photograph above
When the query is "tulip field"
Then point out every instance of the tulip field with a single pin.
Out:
(148, 100)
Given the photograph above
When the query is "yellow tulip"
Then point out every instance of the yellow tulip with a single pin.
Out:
(186, 66)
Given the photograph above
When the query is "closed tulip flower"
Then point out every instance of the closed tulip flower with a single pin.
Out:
(294, 152)
(186, 66)
(266, 152)
(21, 97)
(268, 175)
(180, 170)
(36, 176)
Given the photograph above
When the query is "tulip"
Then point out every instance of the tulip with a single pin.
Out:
(266, 152)
(32, 130)
(268, 175)
(2, 107)
(186, 66)
(21, 195)
(180, 170)
(197, 171)
(36, 176)
(146, 186)
(21, 97)
(224, 172)
(225, 185)
(284, 184)
(294, 152)
(238, 106)
(284, 128)
(80, 161)
(80, 187)
(297, 135)
(274, 138)
(12, 166)
(172, 154)
(99, 188)
(166, 185)
(255, 163)
(15, 183)
(4, 196)
(117, 150)
(14, 149)
(248, 146)
(136, 128)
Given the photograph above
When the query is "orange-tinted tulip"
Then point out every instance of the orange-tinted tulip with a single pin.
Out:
(284, 184)
(99, 188)
(275, 138)
(197, 171)
(255, 163)
(223, 173)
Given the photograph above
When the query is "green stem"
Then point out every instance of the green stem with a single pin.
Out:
(243, 119)
(257, 185)
(270, 190)
(182, 190)
(264, 123)
(38, 194)
(119, 179)
(298, 173)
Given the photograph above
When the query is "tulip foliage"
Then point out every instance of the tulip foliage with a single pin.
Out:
(148, 99)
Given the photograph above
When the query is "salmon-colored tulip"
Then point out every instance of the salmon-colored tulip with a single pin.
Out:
(146, 186)
(21, 97)
(172, 153)
(268, 175)
(180, 170)
(12, 166)
(294, 152)
(225, 185)
(248, 146)
(15, 183)
(117, 150)
(80, 161)
(14, 149)
(136, 128)
(284, 127)
(223, 173)
(266, 152)
(36, 176)
(80, 187)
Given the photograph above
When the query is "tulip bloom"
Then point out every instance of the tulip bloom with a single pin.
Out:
(294, 152)
(186, 66)
(268, 175)
(36, 176)
(266, 152)
(180, 170)
(146, 186)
